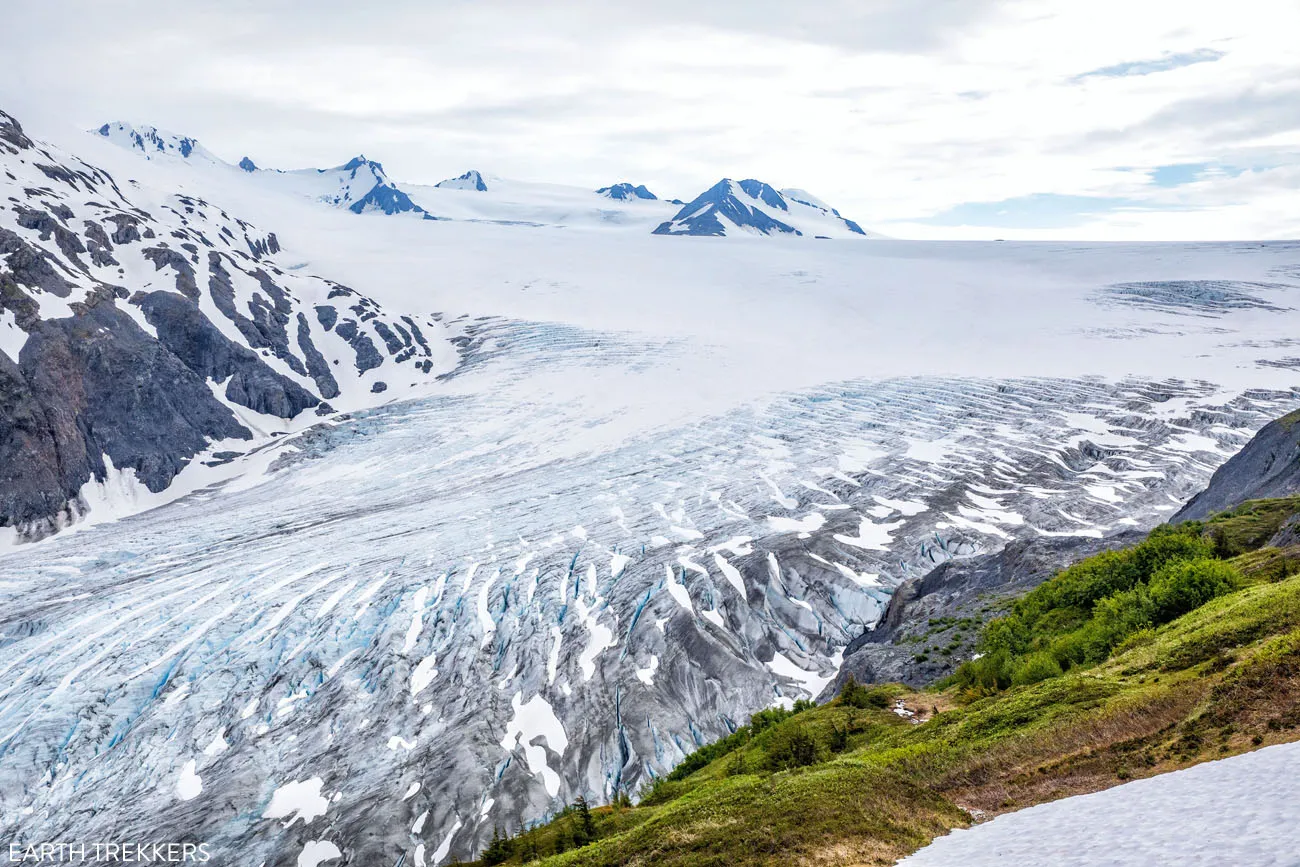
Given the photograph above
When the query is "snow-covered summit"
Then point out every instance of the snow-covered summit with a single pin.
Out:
(626, 190)
(757, 208)
(153, 142)
(471, 180)
(360, 185)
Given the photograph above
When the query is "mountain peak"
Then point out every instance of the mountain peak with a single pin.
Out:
(625, 190)
(11, 132)
(471, 180)
(152, 141)
(758, 208)
(360, 160)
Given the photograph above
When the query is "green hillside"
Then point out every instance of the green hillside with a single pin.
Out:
(1183, 648)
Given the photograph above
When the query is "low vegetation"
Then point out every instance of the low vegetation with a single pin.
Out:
(1183, 648)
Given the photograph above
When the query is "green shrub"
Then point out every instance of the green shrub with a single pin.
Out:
(791, 746)
(1184, 586)
(988, 673)
(1083, 613)
(1035, 667)
(855, 694)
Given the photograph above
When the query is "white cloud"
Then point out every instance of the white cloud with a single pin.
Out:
(894, 111)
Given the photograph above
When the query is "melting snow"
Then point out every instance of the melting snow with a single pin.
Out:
(188, 786)
(532, 720)
(1242, 810)
(807, 524)
(314, 852)
(871, 536)
(811, 682)
(298, 800)
(647, 675)
(423, 674)
(218, 744)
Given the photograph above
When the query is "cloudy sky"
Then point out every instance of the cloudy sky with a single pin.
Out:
(1105, 119)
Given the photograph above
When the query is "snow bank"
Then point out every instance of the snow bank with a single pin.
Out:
(1241, 811)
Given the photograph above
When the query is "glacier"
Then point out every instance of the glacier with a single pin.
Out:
(658, 486)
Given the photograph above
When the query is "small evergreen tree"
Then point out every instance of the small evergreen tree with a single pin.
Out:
(839, 740)
(499, 850)
(586, 825)
(527, 848)
(791, 747)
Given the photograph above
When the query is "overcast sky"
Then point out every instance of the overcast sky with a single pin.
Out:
(1104, 119)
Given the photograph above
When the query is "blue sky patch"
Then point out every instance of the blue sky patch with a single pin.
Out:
(1177, 174)
(1148, 67)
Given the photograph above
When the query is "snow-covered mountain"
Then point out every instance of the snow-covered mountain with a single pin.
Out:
(362, 186)
(657, 486)
(626, 190)
(139, 345)
(153, 142)
(359, 185)
(471, 180)
(753, 207)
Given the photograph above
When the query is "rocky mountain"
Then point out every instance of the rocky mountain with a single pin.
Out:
(625, 190)
(729, 207)
(1269, 466)
(360, 185)
(152, 142)
(932, 621)
(136, 344)
(471, 180)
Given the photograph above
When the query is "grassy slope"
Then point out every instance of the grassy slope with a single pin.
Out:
(1221, 680)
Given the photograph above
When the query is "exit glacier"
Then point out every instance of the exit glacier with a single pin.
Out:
(665, 482)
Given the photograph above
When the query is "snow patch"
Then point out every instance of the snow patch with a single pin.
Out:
(298, 800)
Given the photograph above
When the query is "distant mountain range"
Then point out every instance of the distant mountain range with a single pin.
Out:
(747, 207)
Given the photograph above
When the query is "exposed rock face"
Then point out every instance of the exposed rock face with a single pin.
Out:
(471, 180)
(1269, 466)
(625, 190)
(188, 334)
(11, 133)
(65, 409)
(916, 622)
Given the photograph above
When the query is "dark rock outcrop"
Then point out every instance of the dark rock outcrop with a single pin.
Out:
(625, 190)
(31, 266)
(188, 334)
(925, 614)
(91, 385)
(11, 133)
(1268, 466)
(166, 257)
